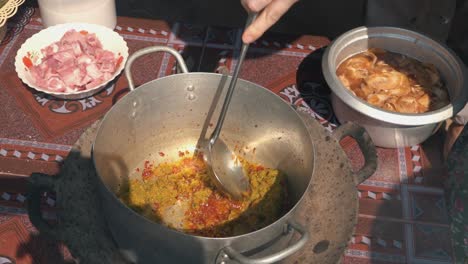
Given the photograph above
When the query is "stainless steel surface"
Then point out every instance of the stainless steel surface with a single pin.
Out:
(227, 171)
(390, 129)
(148, 50)
(384, 134)
(231, 253)
(167, 115)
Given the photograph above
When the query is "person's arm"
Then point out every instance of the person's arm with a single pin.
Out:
(270, 11)
(454, 130)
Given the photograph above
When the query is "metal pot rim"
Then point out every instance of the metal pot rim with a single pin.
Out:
(280, 220)
(329, 71)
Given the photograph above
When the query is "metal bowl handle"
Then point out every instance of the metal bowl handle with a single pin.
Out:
(148, 50)
(37, 184)
(365, 144)
(292, 226)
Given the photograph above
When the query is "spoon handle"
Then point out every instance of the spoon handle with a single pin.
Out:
(251, 17)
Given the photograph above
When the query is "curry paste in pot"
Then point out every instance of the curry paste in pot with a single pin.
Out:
(181, 196)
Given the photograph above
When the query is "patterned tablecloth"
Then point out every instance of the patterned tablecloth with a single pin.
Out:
(402, 216)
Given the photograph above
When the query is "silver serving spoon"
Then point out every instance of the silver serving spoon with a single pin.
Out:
(226, 170)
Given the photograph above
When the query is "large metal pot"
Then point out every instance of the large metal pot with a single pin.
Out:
(390, 129)
(328, 210)
(168, 115)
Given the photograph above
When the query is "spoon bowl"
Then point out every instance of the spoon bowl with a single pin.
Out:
(224, 166)
(226, 170)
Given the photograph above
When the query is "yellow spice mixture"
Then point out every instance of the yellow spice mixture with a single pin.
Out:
(181, 195)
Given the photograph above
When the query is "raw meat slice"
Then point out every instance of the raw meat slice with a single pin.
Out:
(76, 62)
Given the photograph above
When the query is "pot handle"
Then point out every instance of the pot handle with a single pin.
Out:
(365, 144)
(148, 50)
(230, 253)
(37, 184)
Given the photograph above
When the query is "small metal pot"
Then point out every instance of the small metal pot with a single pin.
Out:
(390, 129)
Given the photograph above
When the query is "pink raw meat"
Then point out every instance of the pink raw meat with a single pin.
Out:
(55, 84)
(93, 41)
(76, 62)
(93, 71)
(64, 56)
(84, 59)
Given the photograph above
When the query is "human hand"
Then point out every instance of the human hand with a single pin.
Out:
(270, 11)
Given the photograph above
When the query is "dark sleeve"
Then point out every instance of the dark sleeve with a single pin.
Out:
(458, 36)
(431, 17)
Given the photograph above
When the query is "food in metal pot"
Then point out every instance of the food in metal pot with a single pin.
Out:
(181, 195)
(393, 81)
(74, 63)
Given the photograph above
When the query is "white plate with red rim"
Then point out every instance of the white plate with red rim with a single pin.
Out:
(30, 54)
